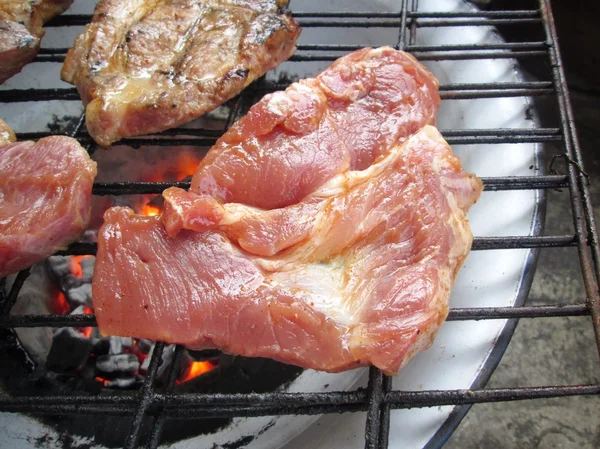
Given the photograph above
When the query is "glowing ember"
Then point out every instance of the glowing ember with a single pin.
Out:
(103, 381)
(150, 210)
(61, 305)
(75, 265)
(196, 369)
(87, 331)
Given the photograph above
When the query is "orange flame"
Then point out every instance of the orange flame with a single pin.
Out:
(61, 305)
(150, 210)
(75, 265)
(103, 381)
(196, 369)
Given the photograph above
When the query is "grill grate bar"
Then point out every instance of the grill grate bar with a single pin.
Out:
(423, 52)
(583, 216)
(161, 417)
(491, 184)
(201, 132)
(192, 406)
(296, 402)
(479, 243)
(199, 137)
(375, 402)
(475, 313)
(433, 56)
(146, 397)
(301, 16)
(446, 91)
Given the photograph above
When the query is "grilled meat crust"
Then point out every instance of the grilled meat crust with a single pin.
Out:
(6, 133)
(21, 31)
(143, 66)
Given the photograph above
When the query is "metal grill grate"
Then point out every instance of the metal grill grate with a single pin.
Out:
(378, 398)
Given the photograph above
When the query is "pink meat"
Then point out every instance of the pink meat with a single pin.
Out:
(365, 280)
(292, 142)
(45, 199)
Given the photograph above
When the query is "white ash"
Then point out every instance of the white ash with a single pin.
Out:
(122, 382)
(78, 290)
(167, 358)
(118, 363)
(35, 298)
(81, 295)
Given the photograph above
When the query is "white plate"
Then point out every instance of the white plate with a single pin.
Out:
(464, 353)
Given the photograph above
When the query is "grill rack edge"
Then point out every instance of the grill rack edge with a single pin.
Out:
(378, 398)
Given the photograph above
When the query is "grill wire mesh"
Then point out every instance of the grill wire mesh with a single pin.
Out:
(378, 399)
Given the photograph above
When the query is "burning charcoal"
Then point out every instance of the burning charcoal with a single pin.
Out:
(117, 345)
(145, 346)
(167, 358)
(69, 282)
(69, 351)
(118, 362)
(121, 382)
(205, 354)
(87, 269)
(79, 310)
(59, 266)
(81, 295)
(146, 362)
(102, 346)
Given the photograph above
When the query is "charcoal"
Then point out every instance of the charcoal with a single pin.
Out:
(102, 346)
(117, 345)
(205, 354)
(80, 295)
(69, 351)
(144, 345)
(87, 269)
(69, 282)
(121, 382)
(59, 265)
(112, 363)
(79, 310)
(167, 358)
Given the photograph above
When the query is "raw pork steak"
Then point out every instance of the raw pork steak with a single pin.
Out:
(45, 199)
(368, 282)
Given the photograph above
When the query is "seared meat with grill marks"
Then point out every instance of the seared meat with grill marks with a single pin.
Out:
(368, 282)
(21, 30)
(45, 199)
(6, 133)
(144, 66)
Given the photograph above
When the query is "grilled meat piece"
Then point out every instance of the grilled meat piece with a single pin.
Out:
(45, 199)
(21, 30)
(368, 284)
(6, 133)
(292, 142)
(144, 66)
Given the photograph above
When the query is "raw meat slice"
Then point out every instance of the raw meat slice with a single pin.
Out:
(143, 66)
(6, 133)
(292, 142)
(21, 31)
(45, 199)
(368, 282)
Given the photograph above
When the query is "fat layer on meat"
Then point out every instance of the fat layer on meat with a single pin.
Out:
(45, 199)
(6, 133)
(143, 66)
(21, 30)
(368, 281)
